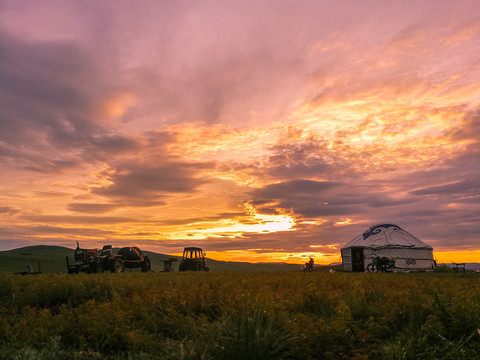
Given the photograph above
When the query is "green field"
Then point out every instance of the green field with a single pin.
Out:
(240, 315)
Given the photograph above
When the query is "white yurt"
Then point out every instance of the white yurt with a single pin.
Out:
(391, 241)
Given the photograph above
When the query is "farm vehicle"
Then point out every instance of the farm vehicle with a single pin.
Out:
(193, 259)
(98, 261)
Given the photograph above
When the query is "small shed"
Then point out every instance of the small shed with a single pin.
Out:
(391, 241)
(168, 264)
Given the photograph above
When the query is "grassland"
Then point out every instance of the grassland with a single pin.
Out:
(240, 315)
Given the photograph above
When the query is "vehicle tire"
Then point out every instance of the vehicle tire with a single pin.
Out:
(117, 266)
(182, 267)
(146, 265)
(372, 268)
(207, 268)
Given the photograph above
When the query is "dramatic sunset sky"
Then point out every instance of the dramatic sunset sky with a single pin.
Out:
(257, 130)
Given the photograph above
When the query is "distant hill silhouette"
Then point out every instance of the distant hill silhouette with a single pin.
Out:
(52, 259)
(468, 266)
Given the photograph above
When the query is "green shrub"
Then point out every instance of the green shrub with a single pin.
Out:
(254, 334)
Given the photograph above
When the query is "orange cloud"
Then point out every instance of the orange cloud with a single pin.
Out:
(118, 103)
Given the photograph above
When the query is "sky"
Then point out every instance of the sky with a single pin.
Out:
(261, 131)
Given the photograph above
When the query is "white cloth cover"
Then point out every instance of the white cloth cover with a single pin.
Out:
(389, 240)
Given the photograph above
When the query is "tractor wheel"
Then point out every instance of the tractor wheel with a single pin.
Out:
(146, 265)
(207, 268)
(182, 267)
(117, 266)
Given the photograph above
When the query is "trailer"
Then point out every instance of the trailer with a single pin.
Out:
(100, 260)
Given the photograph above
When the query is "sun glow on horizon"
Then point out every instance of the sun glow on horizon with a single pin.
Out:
(321, 258)
(269, 256)
(459, 256)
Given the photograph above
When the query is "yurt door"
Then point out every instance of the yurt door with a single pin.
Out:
(357, 259)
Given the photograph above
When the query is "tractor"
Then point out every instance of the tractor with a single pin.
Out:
(98, 261)
(193, 259)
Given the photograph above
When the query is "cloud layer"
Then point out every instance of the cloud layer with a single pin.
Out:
(258, 132)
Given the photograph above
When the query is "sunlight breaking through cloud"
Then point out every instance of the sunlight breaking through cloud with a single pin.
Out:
(237, 227)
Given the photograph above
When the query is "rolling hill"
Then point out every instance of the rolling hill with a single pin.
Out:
(52, 259)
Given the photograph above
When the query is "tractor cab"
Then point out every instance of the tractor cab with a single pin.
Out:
(193, 259)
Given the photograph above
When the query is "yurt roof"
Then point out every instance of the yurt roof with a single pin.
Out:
(385, 236)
